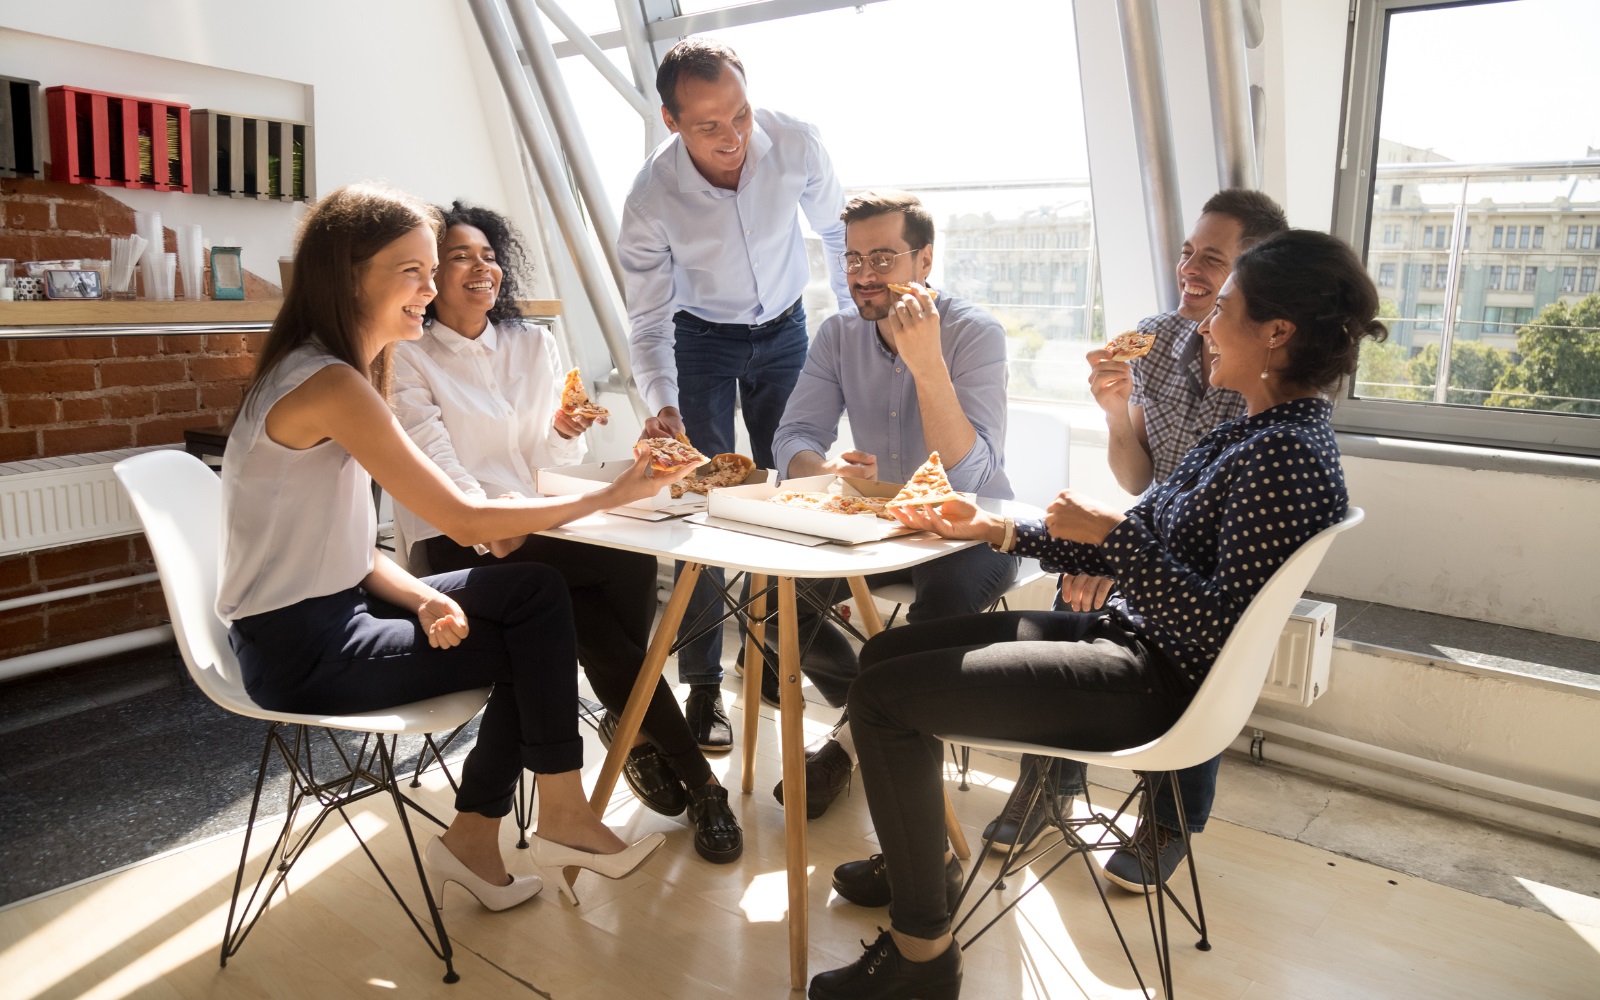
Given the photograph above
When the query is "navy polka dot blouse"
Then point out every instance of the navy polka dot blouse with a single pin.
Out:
(1197, 547)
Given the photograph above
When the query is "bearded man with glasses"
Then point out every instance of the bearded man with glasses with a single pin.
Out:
(916, 373)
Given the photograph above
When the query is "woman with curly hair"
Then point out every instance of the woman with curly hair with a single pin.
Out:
(480, 394)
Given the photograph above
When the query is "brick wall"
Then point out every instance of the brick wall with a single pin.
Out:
(65, 397)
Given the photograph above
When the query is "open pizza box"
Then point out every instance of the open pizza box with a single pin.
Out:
(749, 504)
(569, 479)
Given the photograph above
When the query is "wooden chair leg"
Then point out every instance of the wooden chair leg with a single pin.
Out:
(750, 701)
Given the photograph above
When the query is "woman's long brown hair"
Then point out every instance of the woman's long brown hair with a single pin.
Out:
(338, 237)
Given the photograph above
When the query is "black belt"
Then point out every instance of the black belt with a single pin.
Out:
(753, 327)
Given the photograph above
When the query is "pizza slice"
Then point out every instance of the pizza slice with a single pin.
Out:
(668, 455)
(927, 486)
(1130, 345)
(727, 469)
(575, 402)
(908, 289)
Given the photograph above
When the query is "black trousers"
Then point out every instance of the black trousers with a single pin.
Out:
(351, 652)
(1035, 676)
(613, 595)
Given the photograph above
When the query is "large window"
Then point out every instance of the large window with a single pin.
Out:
(1015, 229)
(1501, 356)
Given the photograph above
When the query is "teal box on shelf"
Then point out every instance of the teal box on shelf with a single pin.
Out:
(227, 273)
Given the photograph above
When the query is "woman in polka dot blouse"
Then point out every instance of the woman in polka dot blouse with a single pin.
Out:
(1187, 560)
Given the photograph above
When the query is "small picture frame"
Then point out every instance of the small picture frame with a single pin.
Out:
(227, 273)
(65, 283)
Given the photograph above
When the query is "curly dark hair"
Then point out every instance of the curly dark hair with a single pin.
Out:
(509, 253)
(1316, 282)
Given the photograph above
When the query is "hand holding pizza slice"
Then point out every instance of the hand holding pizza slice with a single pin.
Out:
(575, 401)
(928, 486)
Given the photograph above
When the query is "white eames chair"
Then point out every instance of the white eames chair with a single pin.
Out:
(1208, 725)
(178, 499)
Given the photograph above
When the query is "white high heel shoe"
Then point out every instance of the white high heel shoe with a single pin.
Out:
(550, 857)
(442, 867)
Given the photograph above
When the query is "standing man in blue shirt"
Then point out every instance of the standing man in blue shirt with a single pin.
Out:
(714, 264)
(915, 374)
(1157, 408)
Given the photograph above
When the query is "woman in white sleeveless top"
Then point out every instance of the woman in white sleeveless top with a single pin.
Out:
(323, 623)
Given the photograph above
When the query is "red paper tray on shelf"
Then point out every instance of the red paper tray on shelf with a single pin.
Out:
(117, 140)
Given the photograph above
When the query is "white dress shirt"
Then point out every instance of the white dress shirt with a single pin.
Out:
(482, 410)
(725, 256)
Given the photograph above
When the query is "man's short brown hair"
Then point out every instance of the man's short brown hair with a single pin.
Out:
(1258, 215)
(700, 58)
(918, 229)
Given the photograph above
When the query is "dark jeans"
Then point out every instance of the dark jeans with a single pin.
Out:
(613, 606)
(350, 652)
(961, 583)
(716, 363)
(1034, 676)
(1198, 784)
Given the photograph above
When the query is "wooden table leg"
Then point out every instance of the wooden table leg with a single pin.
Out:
(755, 663)
(871, 625)
(792, 725)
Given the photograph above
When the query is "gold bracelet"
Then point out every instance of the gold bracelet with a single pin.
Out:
(1008, 538)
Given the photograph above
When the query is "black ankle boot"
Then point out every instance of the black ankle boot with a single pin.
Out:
(884, 974)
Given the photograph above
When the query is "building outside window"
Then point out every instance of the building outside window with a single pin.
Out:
(1499, 235)
(1569, 279)
(1386, 276)
(1494, 277)
(1529, 276)
(1586, 282)
(1427, 276)
(1513, 278)
(1538, 237)
(1572, 237)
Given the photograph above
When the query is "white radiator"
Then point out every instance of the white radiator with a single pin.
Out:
(46, 502)
(1299, 671)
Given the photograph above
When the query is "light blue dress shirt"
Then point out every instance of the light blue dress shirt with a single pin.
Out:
(725, 256)
(848, 370)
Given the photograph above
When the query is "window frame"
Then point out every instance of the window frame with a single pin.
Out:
(1354, 200)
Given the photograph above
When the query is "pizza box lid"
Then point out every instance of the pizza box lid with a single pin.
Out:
(749, 504)
(570, 479)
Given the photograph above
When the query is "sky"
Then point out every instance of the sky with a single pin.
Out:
(1495, 82)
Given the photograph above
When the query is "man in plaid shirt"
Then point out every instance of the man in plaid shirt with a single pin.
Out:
(1156, 408)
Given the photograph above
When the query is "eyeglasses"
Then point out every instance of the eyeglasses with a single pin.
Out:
(882, 261)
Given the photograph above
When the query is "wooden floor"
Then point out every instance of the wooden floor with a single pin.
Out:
(1288, 923)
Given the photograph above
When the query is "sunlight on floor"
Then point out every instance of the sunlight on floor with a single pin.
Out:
(56, 951)
(766, 899)
(1580, 912)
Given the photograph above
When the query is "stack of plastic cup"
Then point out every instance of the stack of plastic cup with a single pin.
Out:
(191, 261)
(148, 225)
